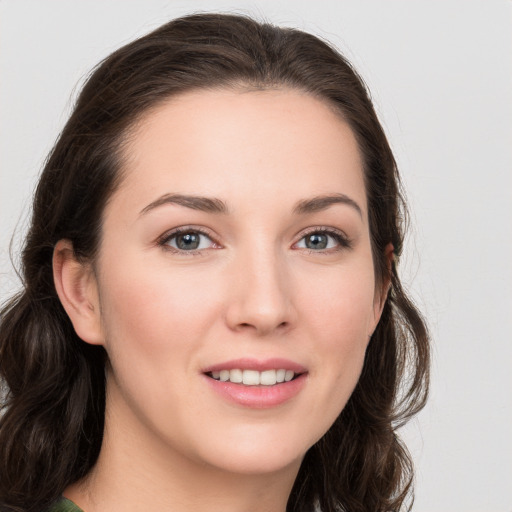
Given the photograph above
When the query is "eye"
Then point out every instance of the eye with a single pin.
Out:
(321, 240)
(188, 240)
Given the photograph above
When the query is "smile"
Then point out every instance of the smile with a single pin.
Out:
(253, 377)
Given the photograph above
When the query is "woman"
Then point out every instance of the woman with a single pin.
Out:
(211, 314)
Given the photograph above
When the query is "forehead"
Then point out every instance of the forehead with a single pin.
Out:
(252, 145)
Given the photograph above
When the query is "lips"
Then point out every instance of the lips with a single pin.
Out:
(257, 384)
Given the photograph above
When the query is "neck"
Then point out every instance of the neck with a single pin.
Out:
(136, 472)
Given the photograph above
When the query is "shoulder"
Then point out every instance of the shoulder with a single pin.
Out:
(64, 505)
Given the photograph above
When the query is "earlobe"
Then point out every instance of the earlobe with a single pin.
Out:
(77, 289)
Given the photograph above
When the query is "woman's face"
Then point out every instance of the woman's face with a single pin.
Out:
(237, 247)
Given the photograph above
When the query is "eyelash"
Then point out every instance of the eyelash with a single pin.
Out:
(339, 236)
(164, 240)
(344, 242)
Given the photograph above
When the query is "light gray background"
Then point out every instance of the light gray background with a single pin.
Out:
(441, 77)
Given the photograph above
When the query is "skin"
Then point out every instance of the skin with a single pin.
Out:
(252, 289)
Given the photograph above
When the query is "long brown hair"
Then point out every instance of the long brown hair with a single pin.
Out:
(53, 414)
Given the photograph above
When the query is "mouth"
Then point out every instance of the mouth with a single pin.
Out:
(247, 377)
(257, 383)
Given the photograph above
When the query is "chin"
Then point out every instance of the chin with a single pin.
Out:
(264, 463)
(254, 453)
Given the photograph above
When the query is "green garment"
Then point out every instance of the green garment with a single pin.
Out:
(65, 505)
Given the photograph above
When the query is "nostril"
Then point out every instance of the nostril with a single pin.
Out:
(247, 324)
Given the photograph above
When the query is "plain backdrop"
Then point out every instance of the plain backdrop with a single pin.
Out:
(440, 73)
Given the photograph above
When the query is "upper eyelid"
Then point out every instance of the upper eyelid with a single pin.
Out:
(323, 229)
(188, 229)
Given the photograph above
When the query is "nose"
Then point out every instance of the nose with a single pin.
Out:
(261, 298)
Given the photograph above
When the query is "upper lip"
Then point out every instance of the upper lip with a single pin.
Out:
(256, 364)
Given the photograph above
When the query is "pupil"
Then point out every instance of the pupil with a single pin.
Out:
(188, 241)
(316, 241)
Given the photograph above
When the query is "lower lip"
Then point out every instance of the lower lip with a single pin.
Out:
(258, 397)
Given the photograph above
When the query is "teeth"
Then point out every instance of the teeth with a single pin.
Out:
(236, 376)
(251, 377)
(268, 378)
(254, 377)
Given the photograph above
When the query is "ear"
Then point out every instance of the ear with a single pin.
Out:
(77, 289)
(381, 291)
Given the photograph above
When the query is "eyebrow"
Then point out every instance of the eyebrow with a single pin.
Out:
(214, 205)
(204, 204)
(320, 203)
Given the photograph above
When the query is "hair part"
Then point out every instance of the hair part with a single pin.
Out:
(51, 427)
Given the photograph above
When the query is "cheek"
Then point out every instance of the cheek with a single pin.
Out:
(154, 312)
(340, 315)
(155, 323)
(340, 306)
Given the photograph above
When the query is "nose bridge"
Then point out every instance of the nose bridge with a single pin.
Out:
(262, 301)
